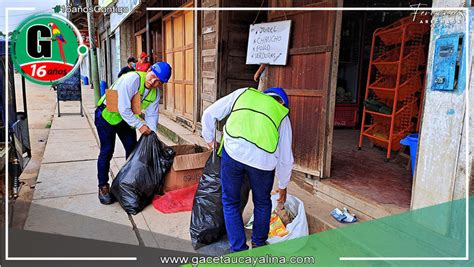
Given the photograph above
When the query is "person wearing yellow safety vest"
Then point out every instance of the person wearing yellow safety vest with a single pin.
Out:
(124, 122)
(256, 142)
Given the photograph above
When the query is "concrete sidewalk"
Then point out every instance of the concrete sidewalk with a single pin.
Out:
(155, 229)
(67, 182)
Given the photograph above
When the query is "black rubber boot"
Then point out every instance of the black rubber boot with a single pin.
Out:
(105, 197)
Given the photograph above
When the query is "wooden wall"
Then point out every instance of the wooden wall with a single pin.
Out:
(306, 79)
(209, 54)
(127, 42)
(233, 41)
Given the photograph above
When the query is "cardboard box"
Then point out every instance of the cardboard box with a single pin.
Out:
(187, 167)
(111, 96)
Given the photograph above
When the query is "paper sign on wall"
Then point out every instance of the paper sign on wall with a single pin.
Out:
(268, 43)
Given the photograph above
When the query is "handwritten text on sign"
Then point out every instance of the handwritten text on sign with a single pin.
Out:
(268, 43)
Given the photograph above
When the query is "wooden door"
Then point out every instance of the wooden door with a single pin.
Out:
(234, 33)
(156, 44)
(179, 38)
(157, 47)
(306, 79)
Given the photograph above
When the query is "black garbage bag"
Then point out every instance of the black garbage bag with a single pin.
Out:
(218, 248)
(377, 106)
(143, 173)
(207, 216)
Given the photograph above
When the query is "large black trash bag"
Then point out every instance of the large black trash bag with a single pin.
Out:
(207, 216)
(143, 173)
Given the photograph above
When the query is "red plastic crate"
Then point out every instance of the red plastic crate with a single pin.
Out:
(346, 116)
(387, 63)
(393, 34)
(407, 88)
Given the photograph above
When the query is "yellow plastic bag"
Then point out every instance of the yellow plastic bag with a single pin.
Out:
(277, 228)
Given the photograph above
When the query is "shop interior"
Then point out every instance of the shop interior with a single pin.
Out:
(362, 162)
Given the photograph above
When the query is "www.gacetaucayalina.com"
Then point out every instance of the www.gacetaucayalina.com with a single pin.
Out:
(267, 259)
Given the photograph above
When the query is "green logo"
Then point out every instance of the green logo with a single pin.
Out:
(47, 48)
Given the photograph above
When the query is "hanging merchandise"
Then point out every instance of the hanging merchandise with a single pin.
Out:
(142, 175)
(394, 84)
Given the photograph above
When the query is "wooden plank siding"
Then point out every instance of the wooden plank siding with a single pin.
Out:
(235, 25)
(169, 87)
(179, 53)
(209, 55)
(327, 160)
(306, 77)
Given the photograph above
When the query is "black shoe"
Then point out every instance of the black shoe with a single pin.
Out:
(256, 246)
(105, 197)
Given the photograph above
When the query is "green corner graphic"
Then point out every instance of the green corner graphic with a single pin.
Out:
(437, 231)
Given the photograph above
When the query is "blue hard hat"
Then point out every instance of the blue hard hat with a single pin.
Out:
(162, 70)
(278, 91)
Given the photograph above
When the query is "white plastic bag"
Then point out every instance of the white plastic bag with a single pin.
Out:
(298, 227)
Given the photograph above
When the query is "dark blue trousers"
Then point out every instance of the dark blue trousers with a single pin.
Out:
(261, 183)
(107, 132)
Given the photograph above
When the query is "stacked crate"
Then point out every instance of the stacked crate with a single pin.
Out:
(395, 80)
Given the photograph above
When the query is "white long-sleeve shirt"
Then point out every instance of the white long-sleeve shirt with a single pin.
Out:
(127, 86)
(245, 152)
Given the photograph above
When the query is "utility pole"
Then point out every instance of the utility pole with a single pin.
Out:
(93, 51)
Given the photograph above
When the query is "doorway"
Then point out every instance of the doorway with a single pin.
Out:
(370, 172)
(114, 59)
